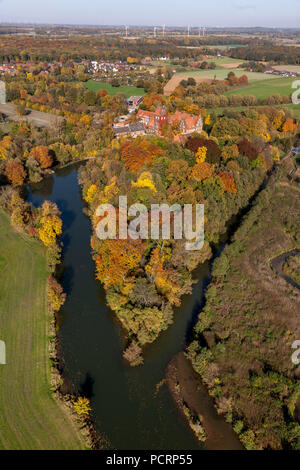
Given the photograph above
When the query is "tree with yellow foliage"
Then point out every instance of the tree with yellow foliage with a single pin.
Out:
(145, 180)
(51, 223)
(5, 145)
(55, 295)
(82, 406)
(207, 120)
(201, 154)
(91, 193)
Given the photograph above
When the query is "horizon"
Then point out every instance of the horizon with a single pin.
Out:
(120, 25)
(237, 14)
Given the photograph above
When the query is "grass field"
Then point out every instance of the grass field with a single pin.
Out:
(264, 88)
(225, 47)
(295, 108)
(219, 74)
(224, 60)
(127, 90)
(31, 418)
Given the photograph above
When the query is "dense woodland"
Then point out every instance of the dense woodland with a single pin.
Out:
(243, 339)
(77, 48)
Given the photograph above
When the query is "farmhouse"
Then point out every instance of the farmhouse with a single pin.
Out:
(134, 102)
(132, 129)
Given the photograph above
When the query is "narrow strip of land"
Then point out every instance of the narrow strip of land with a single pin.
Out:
(31, 417)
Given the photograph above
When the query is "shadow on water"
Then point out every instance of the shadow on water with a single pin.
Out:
(128, 409)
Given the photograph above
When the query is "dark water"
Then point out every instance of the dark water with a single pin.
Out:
(127, 409)
(278, 263)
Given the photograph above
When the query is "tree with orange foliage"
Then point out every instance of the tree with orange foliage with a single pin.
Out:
(41, 154)
(102, 93)
(201, 171)
(15, 173)
(139, 153)
(116, 259)
(151, 101)
(134, 157)
(289, 125)
(229, 182)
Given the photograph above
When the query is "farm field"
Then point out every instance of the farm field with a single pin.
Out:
(225, 60)
(219, 74)
(127, 90)
(292, 107)
(264, 88)
(31, 418)
(288, 68)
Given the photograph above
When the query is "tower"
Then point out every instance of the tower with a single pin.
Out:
(160, 117)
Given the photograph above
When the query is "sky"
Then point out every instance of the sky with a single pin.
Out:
(219, 13)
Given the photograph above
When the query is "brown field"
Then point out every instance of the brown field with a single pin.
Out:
(176, 79)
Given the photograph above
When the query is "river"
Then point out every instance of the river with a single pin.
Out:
(127, 408)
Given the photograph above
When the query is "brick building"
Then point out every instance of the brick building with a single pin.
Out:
(154, 121)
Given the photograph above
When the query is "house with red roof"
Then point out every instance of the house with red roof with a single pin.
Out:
(154, 121)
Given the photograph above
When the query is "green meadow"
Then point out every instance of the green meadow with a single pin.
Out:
(127, 90)
(31, 417)
(263, 88)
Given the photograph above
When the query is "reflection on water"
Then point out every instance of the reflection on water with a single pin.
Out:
(127, 409)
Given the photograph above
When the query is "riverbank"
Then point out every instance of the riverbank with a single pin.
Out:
(187, 390)
(31, 416)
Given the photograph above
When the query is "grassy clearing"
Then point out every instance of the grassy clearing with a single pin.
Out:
(127, 90)
(225, 47)
(31, 418)
(264, 88)
(224, 60)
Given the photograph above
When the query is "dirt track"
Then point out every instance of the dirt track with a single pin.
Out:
(37, 118)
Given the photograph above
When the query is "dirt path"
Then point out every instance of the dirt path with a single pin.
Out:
(191, 391)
